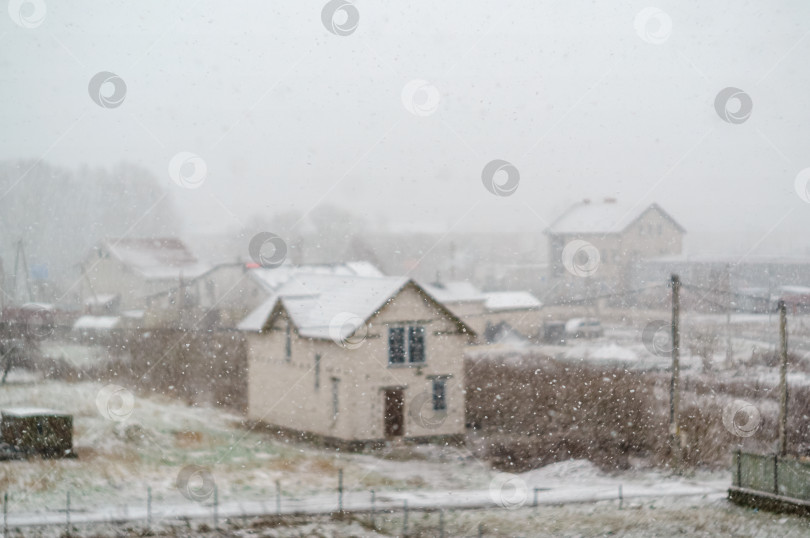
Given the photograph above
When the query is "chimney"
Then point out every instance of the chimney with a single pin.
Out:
(610, 200)
(586, 200)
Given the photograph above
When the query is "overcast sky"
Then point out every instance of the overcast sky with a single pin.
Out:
(583, 98)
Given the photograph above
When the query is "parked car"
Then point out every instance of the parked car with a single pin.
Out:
(554, 332)
(584, 328)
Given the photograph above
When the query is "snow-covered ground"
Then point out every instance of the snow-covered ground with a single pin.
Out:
(119, 459)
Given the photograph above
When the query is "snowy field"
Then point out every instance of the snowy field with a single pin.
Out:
(623, 344)
(119, 459)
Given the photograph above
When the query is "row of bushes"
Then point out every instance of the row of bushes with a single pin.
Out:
(199, 367)
(537, 411)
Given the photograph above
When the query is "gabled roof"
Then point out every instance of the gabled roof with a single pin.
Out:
(602, 218)
(511, 300)
(156, 258)
(315, 302)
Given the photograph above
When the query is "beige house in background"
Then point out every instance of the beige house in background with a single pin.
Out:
(622, 234)
(230, 291)
(356, 360)
(127, 271)
(482, 311)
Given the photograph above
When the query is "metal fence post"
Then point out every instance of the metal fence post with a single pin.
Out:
(739, 468)
(340, 490)
(278, 497)
(405, 517)
(621, 497)
(216, 506)
(441, 523)
(534, 502)
(67, 513)
(373, 507)
(776, 474)
(5, 514)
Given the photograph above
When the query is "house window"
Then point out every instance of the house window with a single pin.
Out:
(402, 350)
(288, 342)
(439, 394)
(335, 402)
(317, 372)
(396, 345)
(416, 344)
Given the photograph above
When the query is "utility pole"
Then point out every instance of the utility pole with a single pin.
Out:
(674, 394)
(783, 388)
(729, 349)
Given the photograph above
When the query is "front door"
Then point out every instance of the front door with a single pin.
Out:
(394, 417)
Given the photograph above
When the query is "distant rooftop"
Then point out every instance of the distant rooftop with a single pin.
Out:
(273, 279)
(454, 291)
(730, 259)
(511, 300)
(156, 258)
(605, 217)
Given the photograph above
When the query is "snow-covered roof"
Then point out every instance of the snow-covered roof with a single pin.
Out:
(511, 300)
(795, 290)
(313, 301)
(102, 299)
(319, 305)
(454, 291)
(157, 258)
(272, 279)
(21, 412)
(104, 323)
(361, 297)
(601, 218)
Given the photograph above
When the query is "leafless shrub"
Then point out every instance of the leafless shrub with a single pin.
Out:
(196, 367)
(538, 412)
(541, 411)
(703, 343)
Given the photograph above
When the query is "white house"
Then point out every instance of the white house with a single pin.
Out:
(355, 360)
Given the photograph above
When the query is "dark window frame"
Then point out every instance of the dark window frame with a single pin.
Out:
(288, 342)
(416, 344)
(335, 398)
(439, 394)
(407, 345)
(397, 346)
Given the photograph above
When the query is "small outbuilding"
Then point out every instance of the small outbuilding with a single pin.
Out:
(36, 431)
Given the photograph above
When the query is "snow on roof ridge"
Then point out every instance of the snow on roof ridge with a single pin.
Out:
(156, 257)
(602, 217)
(325, 291)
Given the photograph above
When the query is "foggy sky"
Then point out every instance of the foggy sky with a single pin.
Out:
(288, 116)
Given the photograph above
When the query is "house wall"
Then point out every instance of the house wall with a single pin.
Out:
(472, 312)
(528, 322)
(231, 291)
(283, 393)
(108, 275)
(649, 236)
